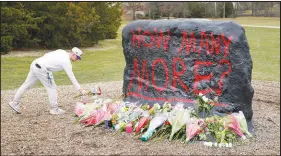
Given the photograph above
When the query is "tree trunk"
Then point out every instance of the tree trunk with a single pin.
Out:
(215, 9)
(168, 14)
(271, 7)
(253, 8)
(223, 9)
(149, 13)
(237, 9)
(183, 9)
(265, 10)
(134, 14)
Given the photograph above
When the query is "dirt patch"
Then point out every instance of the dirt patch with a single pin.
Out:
(36, 132)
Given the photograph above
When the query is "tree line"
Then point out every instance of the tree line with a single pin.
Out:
(156, 10)
(57, 24)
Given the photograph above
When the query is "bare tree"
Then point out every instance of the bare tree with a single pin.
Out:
(215, 9)
(177, 9)
(184, 7)
(253, 8)
(167, 8)
(161, 8)
(134, 6)
(223, 9)
(235, 4)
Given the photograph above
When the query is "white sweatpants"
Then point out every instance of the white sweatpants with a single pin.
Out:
(32, 77)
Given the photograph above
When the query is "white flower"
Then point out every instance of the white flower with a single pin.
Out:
(216, 98)
(95, 97)
(157, 106)
(205, 99)
(169, 105)
(200, 94)
(119, 114)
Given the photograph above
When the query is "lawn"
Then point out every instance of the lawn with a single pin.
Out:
(265, 51)
(259, 21)
(106, 62)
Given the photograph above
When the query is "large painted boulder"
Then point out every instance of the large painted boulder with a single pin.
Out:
(175, 60)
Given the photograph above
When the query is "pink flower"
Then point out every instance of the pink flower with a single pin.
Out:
(142, 123)
(192, 129)
(233, 124)
(95, 118)
(79, 109)
(212, 120)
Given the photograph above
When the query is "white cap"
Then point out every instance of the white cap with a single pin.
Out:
(78, 52)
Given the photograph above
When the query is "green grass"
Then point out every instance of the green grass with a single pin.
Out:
(265, 51)
(107, 62)
(102, 65)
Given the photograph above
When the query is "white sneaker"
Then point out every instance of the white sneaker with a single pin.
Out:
(15, 107)
(57, 111)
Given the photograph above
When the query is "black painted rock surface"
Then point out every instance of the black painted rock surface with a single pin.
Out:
(174, 60)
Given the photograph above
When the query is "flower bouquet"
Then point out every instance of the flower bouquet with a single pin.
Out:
(204, 105)
(243, 123)
(216, 127)
(94, 93)
(79, 109)
(125, 115)
(232, 123)
(193, 127)
(156, 122)
(141, 124)
(178, 120)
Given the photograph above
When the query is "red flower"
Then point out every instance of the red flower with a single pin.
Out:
(167, 122)
(143, 121)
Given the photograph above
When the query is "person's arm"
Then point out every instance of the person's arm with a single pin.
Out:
(68, 70)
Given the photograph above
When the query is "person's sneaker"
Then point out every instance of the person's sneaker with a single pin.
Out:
(57, 111)
(15, 107)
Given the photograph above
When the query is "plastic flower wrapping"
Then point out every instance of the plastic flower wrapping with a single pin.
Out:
(177, 119)
(156, 122)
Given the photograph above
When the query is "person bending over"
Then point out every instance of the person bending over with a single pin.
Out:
(41, 69)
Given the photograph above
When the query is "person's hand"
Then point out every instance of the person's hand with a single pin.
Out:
(83, 92)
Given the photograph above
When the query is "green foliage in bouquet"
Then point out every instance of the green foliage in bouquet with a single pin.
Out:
(162, 132)
(167, 107)
(145, 107)
(80, 95)
(216, 128)
(156, 108)
(203, 104)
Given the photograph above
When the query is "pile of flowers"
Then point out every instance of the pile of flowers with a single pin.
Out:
(149, 122)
